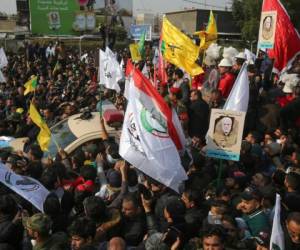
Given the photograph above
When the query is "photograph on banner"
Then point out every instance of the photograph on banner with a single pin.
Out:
(53, 17)
(225, 134)
(267, 30)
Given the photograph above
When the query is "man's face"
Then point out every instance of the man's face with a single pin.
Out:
(257, 179)
(47, 114)
(185, 199)
(229, 182)
(172, 96)
(77, 242)
(226, 125)
(128, 209)
(212, 243)
(259, 247)
(249, 206)
(31, 233)
(223, 70)
(230, 229)
(294, 231)
(268, 23)
(249, 138)
(193, 96)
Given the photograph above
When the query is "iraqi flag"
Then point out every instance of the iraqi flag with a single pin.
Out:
(152, 134)
(287, 39)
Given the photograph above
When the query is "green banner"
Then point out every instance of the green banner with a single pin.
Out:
(53, 17)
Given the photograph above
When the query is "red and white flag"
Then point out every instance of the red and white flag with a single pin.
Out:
(151, 134)
(162, 74)
(287, 39)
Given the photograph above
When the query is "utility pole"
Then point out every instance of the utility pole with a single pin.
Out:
(106, 22)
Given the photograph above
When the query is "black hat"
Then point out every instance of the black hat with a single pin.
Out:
(175, 207)
(251, 193)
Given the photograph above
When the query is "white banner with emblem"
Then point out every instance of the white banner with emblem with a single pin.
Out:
(27, 187)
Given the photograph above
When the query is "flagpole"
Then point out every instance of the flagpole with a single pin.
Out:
(220, 169)
(56, 143)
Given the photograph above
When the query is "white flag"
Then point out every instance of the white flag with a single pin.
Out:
(109, 71)
(122, 67)
(84, 57)
(145, 141)
(150, 140)
(239, 96)
(250, 56)
(110, 53)
(2, 78)
(155, 57)
(277, 236)
(27, 187)
(145, 71)
(3, 59)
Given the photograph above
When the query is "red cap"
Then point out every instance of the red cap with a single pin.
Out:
(174, 90)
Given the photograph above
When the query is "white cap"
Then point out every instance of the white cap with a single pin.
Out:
(209, 61)
(241, 55)
(291, 81)
(225, 62)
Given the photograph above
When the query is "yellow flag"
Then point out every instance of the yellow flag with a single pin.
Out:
(210, 35)
(134, 51)
(44, 136)
(30, 85)
(179, 49)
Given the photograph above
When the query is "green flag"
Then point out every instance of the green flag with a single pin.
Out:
(141, 44)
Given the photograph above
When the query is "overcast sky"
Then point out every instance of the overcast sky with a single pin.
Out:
(162, 6)
(8, 6)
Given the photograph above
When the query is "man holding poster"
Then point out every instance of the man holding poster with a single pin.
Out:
(225, 134)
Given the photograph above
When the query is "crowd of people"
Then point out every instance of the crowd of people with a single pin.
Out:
(99, 201)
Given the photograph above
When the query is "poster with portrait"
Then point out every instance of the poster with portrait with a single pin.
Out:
(80, 21)
(225, 134)
(267, 30)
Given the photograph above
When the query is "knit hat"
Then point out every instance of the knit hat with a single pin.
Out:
(114, 178)
(38, 222)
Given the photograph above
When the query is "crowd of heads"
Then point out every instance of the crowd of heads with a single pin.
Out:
(99, 201)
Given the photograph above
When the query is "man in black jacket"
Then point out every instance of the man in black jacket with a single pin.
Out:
(133, 223)
(11, 229)
(194, 215)
(292, 231)
(198, 115)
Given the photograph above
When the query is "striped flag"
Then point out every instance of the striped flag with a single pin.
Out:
(152, 134)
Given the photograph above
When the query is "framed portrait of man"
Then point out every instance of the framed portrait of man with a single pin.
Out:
(225, 134)
(267, 30)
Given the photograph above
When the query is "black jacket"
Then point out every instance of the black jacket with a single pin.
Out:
(133, 229)
(193, 218)
(10, 233)
(198, 118)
